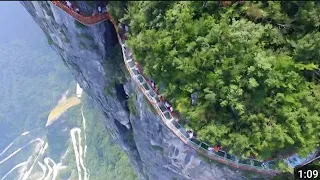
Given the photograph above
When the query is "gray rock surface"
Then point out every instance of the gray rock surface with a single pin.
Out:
(154, 152)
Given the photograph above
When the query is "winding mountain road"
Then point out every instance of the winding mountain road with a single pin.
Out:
(5, 149)
(41, 147)
(44, 170)
(19, 149)
(78, 151)
(42, 150)
(25, 163)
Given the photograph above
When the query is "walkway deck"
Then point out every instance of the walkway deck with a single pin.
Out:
(85, 20)
(168, 118)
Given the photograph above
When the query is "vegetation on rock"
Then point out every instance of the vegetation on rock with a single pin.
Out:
(254, 65)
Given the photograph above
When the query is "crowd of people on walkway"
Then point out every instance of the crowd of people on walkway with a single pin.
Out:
(191, 134)
(138, 68)
(101, 8)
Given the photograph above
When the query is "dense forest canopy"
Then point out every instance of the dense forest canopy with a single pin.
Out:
(253, 64)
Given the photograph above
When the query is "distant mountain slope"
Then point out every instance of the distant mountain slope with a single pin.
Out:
(32, 76)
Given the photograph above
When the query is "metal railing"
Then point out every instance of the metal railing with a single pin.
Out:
(85, 20)
(167, 118)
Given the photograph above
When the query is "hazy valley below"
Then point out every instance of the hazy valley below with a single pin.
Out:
(34, 82)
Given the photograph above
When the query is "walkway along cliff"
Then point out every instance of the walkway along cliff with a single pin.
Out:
(166, 116)
(191, 165)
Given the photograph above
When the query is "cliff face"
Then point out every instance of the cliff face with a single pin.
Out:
(90, 54)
